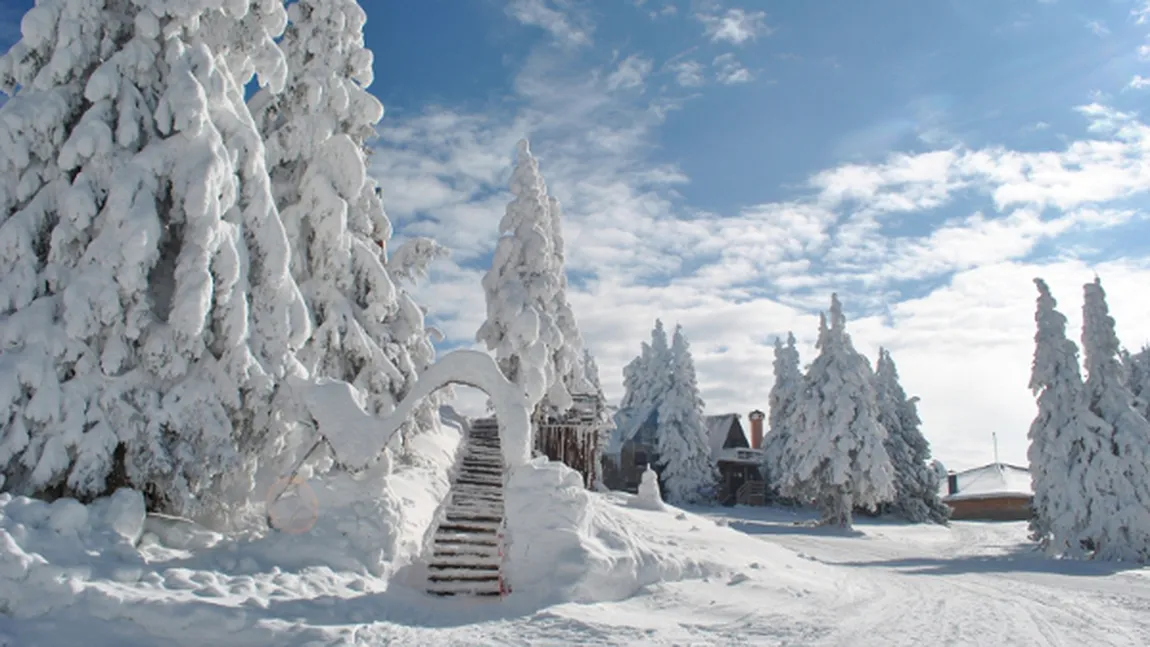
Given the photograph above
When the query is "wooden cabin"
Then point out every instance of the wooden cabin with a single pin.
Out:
(738, 457)
(995, 492)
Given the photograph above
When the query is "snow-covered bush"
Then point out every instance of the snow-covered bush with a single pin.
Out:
(147, 315)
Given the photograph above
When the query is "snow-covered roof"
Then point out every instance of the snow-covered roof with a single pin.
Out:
(994, 480)
(717, 429)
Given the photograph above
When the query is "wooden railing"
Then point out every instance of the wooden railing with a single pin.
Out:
(752, 493)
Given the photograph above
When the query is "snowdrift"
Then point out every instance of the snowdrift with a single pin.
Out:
(567, 544)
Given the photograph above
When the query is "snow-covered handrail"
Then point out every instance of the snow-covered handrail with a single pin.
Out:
(339, 415)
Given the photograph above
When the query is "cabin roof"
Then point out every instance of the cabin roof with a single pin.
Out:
(719, 432)
(990, 481)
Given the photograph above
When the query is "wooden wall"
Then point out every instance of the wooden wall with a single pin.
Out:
(1005, 508)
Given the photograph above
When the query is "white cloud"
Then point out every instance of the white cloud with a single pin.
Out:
(1098, 28)
(538, 13)
(631, 73)
(736, 26)
(688, 73)
(1138, 82)
(729, 71)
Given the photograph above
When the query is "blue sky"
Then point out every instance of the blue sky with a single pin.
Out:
(728, 164)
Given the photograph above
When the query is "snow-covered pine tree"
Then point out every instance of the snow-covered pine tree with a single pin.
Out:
(147, 315)
(568, 357)
(645, 380)
(839, 458)
(688, 470)
(1120, 520)
(916, 483)
(1138, 379)
(1062, 447)
(783, 399)
(603, 422)
(367, 330)
(521, 288)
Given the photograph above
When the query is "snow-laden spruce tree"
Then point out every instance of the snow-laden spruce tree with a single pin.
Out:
(688, 470)
(839, 458)
(569, 356)
(147, 314)
(1138, 379)
(521, 288)
(1063, 448)
(367, 330)
(784, 400)
(916, 483)
(635, 405)
(1119, 524)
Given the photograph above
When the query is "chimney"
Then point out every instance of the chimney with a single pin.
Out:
(756, 419)
(951, 483)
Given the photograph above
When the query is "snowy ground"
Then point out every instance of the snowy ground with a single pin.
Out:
(749, 577)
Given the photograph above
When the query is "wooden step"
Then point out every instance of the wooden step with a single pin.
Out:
(466, 540)
(477, 516)
(477, 527)
(454, 568)
(464, 575)
(471, 557)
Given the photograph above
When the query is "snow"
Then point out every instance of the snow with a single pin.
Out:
(718, 427)
(649, 497)
(990, 481)
(622, 575)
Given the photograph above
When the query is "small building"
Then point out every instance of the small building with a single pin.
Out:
(995, 492)
(738, 457)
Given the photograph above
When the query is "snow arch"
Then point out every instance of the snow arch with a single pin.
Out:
(358, 437)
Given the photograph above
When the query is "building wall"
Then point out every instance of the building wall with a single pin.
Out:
(1005, 508)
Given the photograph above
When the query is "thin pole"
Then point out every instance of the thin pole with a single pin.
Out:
(994, 435)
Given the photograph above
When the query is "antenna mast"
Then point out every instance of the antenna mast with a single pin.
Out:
(994, 436)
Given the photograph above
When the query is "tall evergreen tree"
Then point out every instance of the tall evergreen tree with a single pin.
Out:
(522, 288)
(147, 314)
(1062, 446)
(916, 483)
(784, 399)
(1120, 521)
(1138, 378)
(688, 470)
(840, 460)
(368, 331)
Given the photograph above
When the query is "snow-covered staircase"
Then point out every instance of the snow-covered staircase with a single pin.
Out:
(467, 547)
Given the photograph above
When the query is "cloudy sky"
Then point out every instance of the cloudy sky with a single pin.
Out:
(728, 165)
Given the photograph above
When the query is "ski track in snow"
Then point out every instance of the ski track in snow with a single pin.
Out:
(887, 584)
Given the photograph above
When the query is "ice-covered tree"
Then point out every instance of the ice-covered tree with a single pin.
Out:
(783, 399)
(522, 288)
(1062, 447)
(367, 330)
(916, 483)
(688, 470)
(147, 314)
(839, 459)
(1119, 524)
(645, 380)
(603, 422)
(569, 356)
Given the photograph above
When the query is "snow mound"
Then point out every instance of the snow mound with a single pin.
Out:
(567, 544)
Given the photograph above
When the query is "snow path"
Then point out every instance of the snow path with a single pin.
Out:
(888, 585)
(975, 583)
